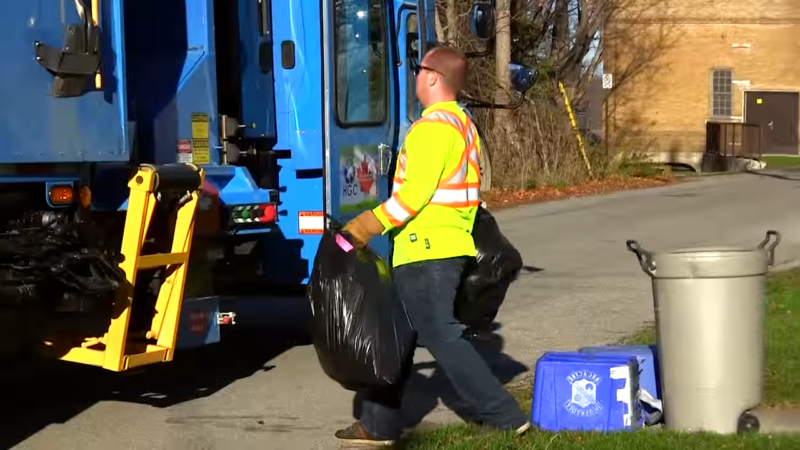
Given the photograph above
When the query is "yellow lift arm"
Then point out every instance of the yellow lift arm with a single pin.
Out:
(114, 351)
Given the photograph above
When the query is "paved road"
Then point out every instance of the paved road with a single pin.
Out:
(271, 393)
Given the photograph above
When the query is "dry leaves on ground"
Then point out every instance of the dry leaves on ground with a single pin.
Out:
(499, 198)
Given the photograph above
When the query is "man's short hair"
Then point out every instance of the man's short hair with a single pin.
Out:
(451, 64)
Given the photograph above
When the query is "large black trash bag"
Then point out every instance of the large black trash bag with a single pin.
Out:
(487, 279)
(360, 329)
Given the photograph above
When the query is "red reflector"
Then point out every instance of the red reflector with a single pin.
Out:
(269, 213)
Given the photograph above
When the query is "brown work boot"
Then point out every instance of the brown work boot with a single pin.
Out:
(523, 429)
(517, 431)
(357, 435)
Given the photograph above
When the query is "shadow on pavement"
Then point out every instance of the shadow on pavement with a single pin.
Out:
(53, 392)
(424, 392)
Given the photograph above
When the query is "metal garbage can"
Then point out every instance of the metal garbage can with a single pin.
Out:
(709, 310)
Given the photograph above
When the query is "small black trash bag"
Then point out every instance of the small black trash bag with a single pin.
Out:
(359, 327)
(487, 279)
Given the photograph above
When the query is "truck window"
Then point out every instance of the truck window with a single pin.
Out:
(412, 57)
(360, 64)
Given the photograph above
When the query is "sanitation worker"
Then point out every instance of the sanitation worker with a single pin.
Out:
(430, 214)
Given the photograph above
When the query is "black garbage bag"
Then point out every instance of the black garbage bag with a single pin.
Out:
(360, 329)
(487, 279)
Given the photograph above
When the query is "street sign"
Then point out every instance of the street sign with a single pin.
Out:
(608, 81)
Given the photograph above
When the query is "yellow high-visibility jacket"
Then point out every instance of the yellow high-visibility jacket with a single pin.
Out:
(436, 188)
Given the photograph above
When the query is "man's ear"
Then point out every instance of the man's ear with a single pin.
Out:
(432, 78)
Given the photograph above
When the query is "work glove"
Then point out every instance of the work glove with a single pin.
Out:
(363, 228)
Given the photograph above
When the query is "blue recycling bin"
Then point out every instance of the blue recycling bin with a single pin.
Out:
(648, 363)
(586, 392)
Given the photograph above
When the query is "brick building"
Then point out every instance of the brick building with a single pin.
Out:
(679, 64)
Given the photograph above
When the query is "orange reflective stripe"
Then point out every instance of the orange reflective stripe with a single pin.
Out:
(474, 159)
(457, 188)
(403, 204)
(464, 204)
(460, 167)
(397, 210)
(394, 221)
(455, 172)
(437, 116)
(434, 119)
(431, 118)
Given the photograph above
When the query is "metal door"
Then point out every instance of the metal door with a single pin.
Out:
(408, 46)
(59, 116)
(360, 107)
(777, 115)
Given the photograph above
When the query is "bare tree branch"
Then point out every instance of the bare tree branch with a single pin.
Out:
(567, 41)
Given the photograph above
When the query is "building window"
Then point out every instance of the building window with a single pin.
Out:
(722, 93)
(360, 65)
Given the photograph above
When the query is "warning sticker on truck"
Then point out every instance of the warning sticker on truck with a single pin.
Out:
(311, 222)
(199, 126)
(200, 135)
(200, 152)
(185, 151)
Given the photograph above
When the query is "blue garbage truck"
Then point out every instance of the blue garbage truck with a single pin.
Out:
(160, 155)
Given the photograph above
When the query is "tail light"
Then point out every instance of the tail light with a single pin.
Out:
(60, 195)
(254, 214)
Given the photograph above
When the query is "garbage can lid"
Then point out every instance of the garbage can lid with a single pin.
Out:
(718, 262)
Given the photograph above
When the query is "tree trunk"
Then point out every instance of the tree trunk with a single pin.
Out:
(502, 49)
(439, 27)
(452, 27)
(502, 118)
(486, 168)
(560, 42)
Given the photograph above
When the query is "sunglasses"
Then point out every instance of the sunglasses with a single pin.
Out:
(419, 68)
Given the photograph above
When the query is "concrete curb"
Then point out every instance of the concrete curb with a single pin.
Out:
(785, 266)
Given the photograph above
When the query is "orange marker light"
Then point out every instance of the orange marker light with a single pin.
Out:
(60, 195)
(85, 196)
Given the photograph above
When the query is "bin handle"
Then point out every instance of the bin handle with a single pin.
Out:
(645, 257)
(771, 249)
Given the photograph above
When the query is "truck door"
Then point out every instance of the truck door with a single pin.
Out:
(408, 46)
(360, 108)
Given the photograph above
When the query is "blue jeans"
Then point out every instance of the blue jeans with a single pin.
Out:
(428, 290)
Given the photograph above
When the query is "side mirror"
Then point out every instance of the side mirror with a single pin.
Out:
(482, 19)
(412, 45)
(521, 77)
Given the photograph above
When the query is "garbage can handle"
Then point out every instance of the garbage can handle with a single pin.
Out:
(771, 249)
(645, 258)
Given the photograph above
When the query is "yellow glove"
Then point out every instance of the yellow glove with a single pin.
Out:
(363, 228)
